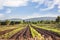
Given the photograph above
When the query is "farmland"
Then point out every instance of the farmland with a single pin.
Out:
(29, 19)
(29, 32)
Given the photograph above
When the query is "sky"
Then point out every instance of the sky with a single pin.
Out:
(25, 9)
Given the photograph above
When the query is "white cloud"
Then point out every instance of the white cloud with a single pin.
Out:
(2, 16)
(59, 11)
(26, 17)
(50, 7)
(13, 3)
(39, 1)
(34, 15)
(53, 3)
(15, 16)
(45, 15)
(1, 4)
(8, 11)
(59, 6)
(50, 15)
(48, 3)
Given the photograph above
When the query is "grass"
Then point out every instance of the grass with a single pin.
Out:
(6, 28)
(3, 28)
(50, 28)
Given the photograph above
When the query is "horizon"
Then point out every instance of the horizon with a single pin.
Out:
(25, 9)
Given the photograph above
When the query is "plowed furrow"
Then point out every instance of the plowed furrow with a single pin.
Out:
(27, 33)
(22, 34)
(6, 31)
(16, 36)
(47, 34)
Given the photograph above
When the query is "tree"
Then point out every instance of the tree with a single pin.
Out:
(58, 19)
(12, 23)
(52, 22)
(21, 21)
(47, 22)
(24, 21)
(34, 22)
(7, 22)
(0, 22)
(38, 22)
(41, 21)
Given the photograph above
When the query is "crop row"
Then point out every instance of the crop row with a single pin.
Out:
(36, 34)
(49, 28)
(3, 28)
(9, 34)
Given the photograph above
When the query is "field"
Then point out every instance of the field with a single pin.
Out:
(30, 32)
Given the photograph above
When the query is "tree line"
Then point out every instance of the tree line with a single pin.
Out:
(45, 21)
(8, 22)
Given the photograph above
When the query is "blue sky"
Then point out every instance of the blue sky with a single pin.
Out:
(29, 8)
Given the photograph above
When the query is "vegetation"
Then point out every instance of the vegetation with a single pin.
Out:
(36, 34)
(50, 28)
(3, 28)
(49, 25)
(7, 22)
(58, 19)
(9, 34)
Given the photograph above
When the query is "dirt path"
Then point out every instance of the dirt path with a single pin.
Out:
(48, 35)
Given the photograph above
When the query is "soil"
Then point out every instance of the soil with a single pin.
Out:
(6, 31)
(48, 35)
(25, 34)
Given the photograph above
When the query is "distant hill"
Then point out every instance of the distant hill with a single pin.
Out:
(41, 18)
(15, 19)
(33, 19)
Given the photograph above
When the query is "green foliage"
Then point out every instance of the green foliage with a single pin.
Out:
(58, 25)
(0, 22)
(24, 21)
(58, 19)
(34, 22)
(7, 22)
(35, 33)
(41, 21)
